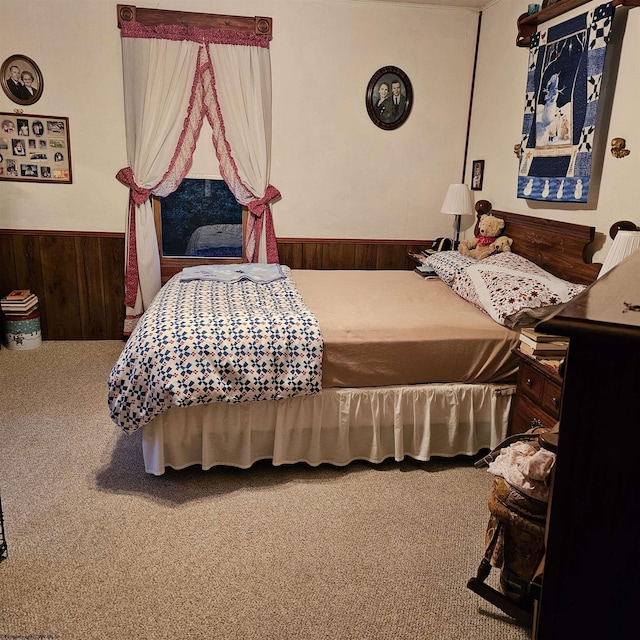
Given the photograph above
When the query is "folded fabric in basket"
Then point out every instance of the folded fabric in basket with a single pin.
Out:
(259, 273)
(525, 466)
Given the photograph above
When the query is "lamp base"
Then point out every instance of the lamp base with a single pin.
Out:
(456, 237)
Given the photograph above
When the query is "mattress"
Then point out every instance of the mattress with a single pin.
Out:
(384, 328)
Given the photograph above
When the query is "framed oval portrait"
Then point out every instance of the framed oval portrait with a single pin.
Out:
(389, 97)
(21, 79)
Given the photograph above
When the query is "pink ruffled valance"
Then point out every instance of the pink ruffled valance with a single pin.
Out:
(194, 34)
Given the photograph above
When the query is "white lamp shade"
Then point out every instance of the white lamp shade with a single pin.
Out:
(458, 200)
(624, 244)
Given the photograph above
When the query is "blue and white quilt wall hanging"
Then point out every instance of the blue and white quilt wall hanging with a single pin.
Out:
(564, 81)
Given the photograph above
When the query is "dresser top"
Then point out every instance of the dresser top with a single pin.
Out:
(609, 307)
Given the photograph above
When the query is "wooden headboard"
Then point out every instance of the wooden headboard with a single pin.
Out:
(558, 247)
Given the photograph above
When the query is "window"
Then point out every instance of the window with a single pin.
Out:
(199, 223)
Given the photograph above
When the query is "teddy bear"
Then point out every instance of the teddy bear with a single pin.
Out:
(503, 243)
(500, 244)
(489, 229)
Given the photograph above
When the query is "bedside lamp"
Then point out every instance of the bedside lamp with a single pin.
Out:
(626, 240)
(457, 202)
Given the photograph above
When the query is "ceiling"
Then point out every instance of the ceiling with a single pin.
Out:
(470, 4)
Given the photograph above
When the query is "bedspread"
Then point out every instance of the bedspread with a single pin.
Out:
(204, 341)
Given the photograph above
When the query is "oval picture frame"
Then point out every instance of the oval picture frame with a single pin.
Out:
(20, 93)
(382, 110)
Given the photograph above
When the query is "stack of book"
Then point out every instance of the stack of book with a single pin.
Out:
(426, 271)
(543, 345)
(20, 303)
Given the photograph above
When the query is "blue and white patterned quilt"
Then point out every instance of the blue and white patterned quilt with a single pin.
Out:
(204, 341)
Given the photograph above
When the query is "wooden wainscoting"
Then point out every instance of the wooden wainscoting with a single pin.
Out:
(308, 253)
(77, 276)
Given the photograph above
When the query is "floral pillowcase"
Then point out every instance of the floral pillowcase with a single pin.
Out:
(507, 287)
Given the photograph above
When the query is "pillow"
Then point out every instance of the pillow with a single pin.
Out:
(531, 317)
(448, 264)
(505, 284)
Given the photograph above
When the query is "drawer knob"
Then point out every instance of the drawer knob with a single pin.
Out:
(529, 382)
(555, 402)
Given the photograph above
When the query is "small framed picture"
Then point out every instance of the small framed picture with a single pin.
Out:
(389, 97)
(548, 3)
(477, 175)
(21, 79)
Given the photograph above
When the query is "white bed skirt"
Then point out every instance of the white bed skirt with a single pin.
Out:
(336, 426)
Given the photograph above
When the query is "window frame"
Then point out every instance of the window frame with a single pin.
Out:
(169, 266)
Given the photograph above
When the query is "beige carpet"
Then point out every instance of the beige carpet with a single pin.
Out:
(100, 550)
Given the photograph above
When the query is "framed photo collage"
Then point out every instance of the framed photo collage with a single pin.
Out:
(34, 148)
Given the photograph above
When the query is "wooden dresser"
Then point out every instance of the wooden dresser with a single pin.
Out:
(591, 586)
(538, 396)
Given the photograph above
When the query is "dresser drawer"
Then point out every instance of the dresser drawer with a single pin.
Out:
(531, 382)
(551, 397)
(527, 414)
(538, 396)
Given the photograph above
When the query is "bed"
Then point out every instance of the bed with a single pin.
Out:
(395, 365)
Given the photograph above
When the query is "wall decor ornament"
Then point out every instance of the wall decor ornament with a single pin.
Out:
(21, 79)
(389, 98)
(619, 148)
(564, 82)
(34, 148)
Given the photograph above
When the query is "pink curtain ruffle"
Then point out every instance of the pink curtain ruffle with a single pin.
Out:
(194, 34)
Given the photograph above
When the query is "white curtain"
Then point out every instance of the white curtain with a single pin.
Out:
(171, 82)
(240, 97)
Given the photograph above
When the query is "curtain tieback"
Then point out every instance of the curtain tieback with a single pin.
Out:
(131, 275)
(258, 207)
(136, 193)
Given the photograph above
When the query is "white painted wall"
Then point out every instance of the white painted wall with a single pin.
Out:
(340, 176)
(77, 48)
(497, 124)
